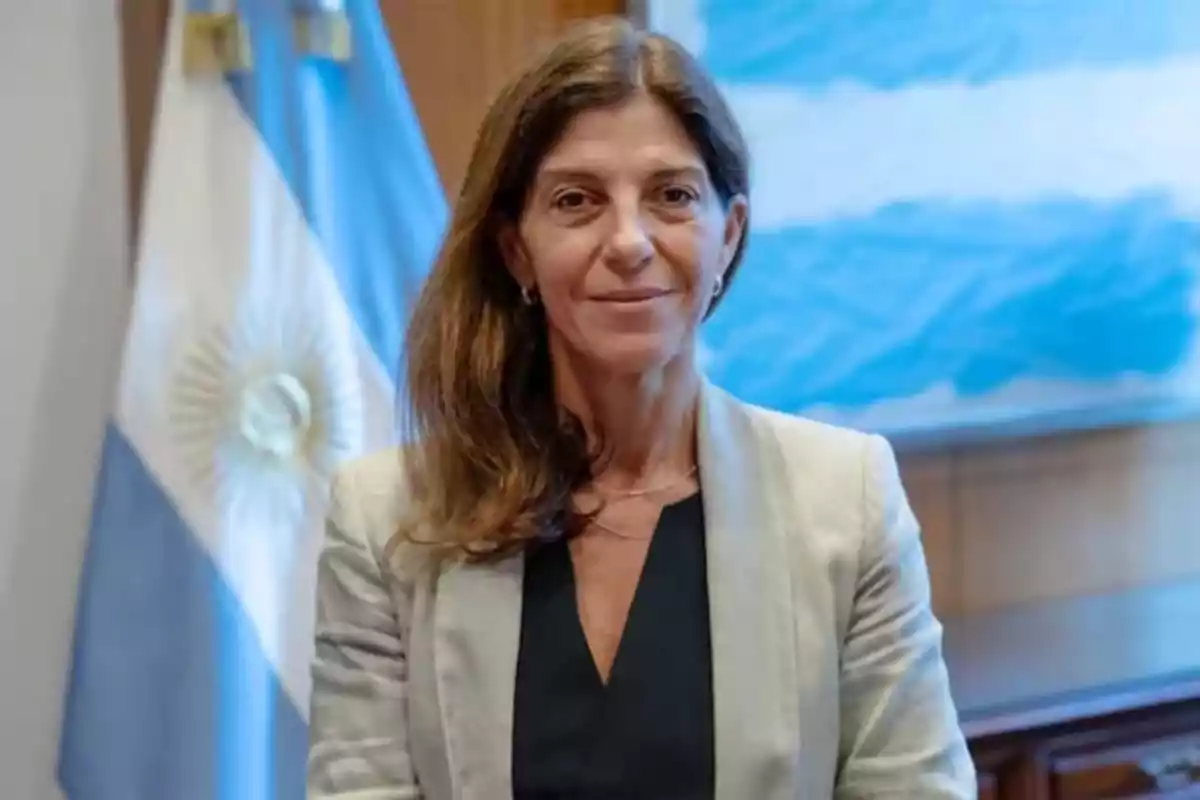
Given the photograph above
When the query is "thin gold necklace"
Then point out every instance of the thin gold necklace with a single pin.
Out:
(648, 489)
(617, 533)
(638, 493)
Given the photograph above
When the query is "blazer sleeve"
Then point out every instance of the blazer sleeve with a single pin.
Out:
(900, 735)
(358, 744)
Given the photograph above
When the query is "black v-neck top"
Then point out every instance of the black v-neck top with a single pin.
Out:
(648, 733)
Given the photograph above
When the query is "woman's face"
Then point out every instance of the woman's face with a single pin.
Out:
(623, 238)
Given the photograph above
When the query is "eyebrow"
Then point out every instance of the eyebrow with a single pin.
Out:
(552, 175)
(697, 174)
(565, 175)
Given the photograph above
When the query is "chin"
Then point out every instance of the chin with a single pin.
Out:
(630, 355)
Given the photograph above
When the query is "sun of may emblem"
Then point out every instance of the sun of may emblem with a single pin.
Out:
(263, 407)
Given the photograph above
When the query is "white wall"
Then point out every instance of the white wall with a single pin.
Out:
(63, 294)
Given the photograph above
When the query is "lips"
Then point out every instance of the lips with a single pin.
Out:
(632, 295)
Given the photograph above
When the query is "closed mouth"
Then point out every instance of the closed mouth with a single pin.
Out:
(632, 295)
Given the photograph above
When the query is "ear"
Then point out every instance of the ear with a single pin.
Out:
(737, 214)
(516, 258)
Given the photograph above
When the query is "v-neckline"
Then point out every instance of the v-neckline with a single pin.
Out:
(603, 685)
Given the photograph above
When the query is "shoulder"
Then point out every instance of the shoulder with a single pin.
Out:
(843, 483)
(806, 433)
(818, 465)
(821, 453)
(368, 496)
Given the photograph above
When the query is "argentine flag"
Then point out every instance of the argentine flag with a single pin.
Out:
(969, 216)
(290, 211)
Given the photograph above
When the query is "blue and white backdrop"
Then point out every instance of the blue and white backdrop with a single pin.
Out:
(970, 217)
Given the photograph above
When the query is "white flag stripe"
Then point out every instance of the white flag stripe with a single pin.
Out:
(205, 256)
(1100, 134)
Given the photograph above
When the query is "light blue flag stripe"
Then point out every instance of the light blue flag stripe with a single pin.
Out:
(167, 664)
(892, 43)
(1058, 289)
(349, 144)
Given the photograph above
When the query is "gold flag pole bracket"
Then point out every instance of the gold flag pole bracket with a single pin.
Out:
(215, 43)
(323, 33)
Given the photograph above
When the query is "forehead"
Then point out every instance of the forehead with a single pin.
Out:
(639, 132)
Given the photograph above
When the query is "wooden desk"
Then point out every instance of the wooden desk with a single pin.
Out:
(1094, 697)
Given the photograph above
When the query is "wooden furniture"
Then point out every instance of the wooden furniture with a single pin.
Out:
(1082, 698)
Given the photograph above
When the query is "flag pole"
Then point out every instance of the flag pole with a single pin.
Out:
(215, 39)
(322, 29)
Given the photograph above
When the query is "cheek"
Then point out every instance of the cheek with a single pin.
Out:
(558, 260)
(694, 252)
(560, 264)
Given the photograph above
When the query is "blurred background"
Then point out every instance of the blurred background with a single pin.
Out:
(975, 232)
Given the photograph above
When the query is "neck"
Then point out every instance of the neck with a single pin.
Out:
(646, 421)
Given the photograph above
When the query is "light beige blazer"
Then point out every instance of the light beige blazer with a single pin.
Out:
(827, 664)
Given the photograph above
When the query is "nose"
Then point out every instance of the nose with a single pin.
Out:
(629, 245)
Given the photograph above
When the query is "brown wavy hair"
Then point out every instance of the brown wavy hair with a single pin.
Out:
(494, 460)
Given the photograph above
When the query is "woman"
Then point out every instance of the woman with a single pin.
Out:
(594, 574)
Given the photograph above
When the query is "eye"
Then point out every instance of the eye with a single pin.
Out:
(680, 196)
(571, 200)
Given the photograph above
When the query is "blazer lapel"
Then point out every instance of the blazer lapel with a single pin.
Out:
(477, 633)
(477, 628)
(756, 703)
